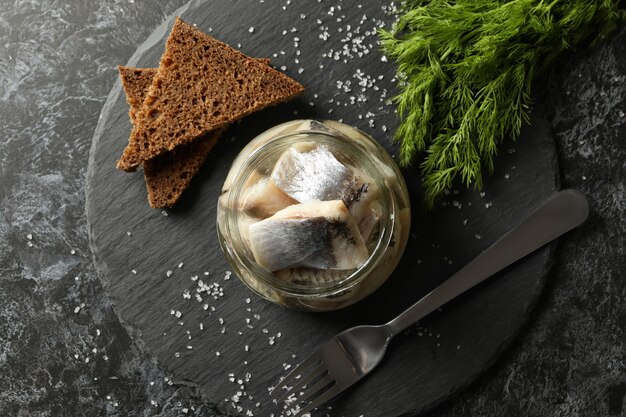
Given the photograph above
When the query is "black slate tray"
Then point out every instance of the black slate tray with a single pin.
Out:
(135, 246)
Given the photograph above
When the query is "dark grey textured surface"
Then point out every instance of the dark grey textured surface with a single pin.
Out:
(420, 371)
(57, 65)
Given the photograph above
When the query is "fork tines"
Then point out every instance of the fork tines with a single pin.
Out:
(311, 380)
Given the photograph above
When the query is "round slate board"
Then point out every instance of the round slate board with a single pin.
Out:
(346, 78)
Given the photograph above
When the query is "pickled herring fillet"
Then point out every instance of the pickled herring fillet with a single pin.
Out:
(314, 173)
(312, 276)
(264, 198)
(364, 206)
(316, 234)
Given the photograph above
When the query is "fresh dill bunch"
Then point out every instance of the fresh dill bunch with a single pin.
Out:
(465, 71)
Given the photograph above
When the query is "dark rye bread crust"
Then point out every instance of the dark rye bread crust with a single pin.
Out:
(136, 82)
(201, 85)
(167, 175)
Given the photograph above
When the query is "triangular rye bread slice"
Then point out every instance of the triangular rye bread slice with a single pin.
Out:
(136, 82)
(167, 175)
(201, 85)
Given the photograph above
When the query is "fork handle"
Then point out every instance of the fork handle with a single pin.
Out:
(559, 214)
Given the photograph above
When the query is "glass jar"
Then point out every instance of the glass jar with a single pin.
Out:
(385, 245)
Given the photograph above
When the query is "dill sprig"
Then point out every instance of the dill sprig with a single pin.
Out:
(465, 71)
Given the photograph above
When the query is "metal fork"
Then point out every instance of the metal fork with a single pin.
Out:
(353, 353)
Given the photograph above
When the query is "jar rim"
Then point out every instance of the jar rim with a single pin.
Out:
(334, 139)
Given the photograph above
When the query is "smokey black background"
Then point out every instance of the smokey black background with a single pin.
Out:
(57, 65)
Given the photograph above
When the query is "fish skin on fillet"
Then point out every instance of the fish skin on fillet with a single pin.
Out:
(308, 172)
(315, 234)
(313, 173)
